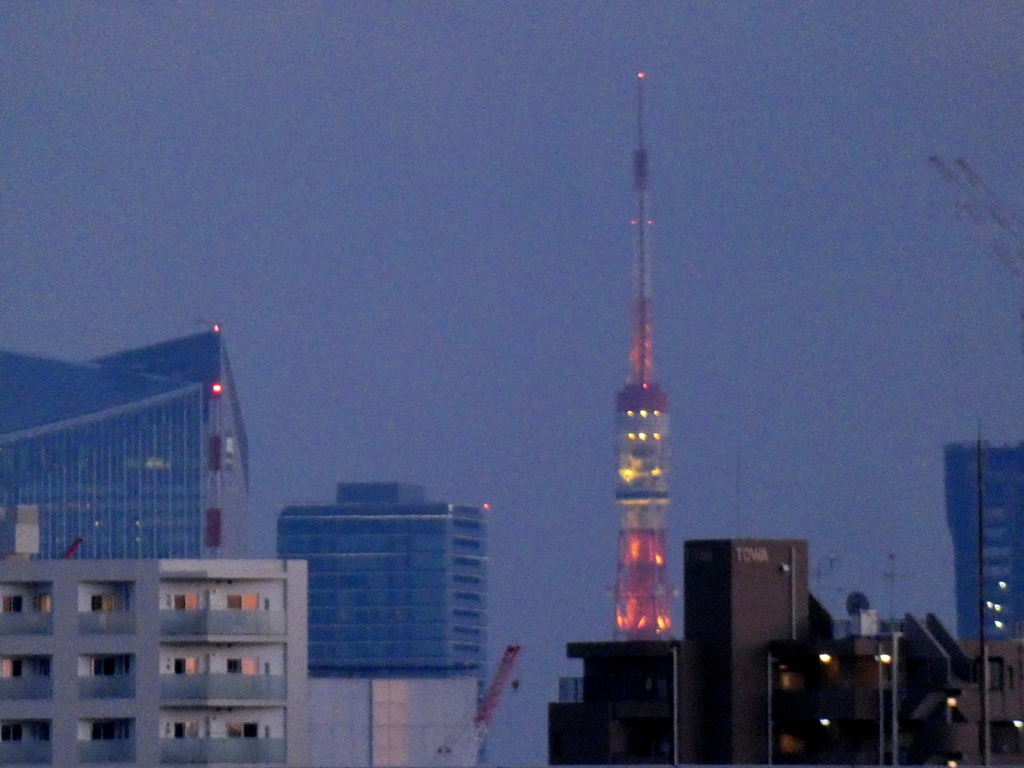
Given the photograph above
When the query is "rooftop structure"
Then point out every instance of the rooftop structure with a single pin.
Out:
(140, 454)
(642, 594)
(148, 662)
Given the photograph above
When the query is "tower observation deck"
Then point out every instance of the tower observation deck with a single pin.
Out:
(642, 593)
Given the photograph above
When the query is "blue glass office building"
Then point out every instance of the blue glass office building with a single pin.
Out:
(1002, 470)
(397, 584)
(139, 454)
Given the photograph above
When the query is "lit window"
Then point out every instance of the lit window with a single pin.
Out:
(824, 658)
(951, 701)
(885, 658)
(657, 436)
(1018, 723)
(247, 666)
(632, 436)
(825, 721)
(11, 604)
(189, 602)
(249, 602)
(999, 624)
(629, 413)
(643, 435)
(242, 730)
(186, 666)
(643, 414)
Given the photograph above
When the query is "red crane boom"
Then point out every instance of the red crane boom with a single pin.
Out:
(501, 677)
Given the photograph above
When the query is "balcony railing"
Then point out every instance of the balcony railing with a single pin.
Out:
(223, 622)
(25, 752)
(26, 623)
(222, 686)
(107, 751)
(26, 687)
(107, 687)
(247, 751)
(106, 622)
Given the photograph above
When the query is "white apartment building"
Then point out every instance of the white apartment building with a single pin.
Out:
(153, 662)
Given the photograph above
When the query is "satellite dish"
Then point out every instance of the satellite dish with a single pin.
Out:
(856, 602)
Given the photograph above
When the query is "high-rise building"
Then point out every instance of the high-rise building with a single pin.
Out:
(397, 624)
(140, 454)
(150, 662)
(397, 584)
(642, 595)
(1002, 503)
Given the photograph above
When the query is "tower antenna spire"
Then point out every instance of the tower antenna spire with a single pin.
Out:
(641, 347)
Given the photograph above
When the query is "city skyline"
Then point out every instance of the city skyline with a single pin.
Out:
(414, 226)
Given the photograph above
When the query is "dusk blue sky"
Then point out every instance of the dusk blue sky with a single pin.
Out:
(412, 221)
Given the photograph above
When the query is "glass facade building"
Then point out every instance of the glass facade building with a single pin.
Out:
(1002, 471)
(140, 454)
(397, 584)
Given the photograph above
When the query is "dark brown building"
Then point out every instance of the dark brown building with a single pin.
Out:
(757, 642)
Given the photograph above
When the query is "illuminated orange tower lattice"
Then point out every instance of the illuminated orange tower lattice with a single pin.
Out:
(642, 593)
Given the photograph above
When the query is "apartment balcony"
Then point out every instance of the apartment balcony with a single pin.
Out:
(107, 751)
(106, 687)
(222, 686)
(26, 687)
(222, 622)
(27, 623)
(106, 622)
(246, 751)
(25, 752)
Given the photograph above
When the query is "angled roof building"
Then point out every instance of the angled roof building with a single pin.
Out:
(139, 454)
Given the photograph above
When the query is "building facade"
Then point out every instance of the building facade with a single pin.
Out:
(397, 584)
(397, 624)
(760, 679)
(140, 454)
(153, 662)
(1002, 498)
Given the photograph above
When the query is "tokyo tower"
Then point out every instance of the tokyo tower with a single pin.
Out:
(642, 593)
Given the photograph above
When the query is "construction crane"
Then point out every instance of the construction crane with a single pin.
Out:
(990, 220)
(455, 746)
(73, 548)
(502, 675)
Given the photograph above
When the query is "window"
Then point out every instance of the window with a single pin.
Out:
(243, 730)
(112, 665)
(11, 604)
(249, 602)
(189, 729)
(10, 667)
(186, 666)
(246, 666)
(11, 732)
(188, 602)
(41, 603)
(105, 730)
(103, 603)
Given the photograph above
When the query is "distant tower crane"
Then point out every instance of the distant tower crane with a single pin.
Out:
(989, 219)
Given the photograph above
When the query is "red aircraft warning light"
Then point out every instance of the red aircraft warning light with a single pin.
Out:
(216, 389)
